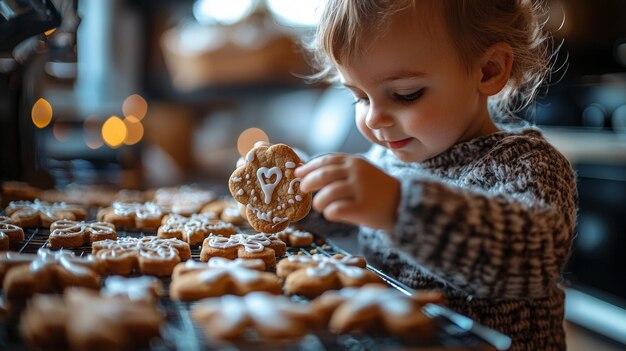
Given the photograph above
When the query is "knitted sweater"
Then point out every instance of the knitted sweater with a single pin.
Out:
(490, 222)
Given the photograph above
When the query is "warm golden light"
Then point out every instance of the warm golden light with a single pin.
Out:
(61, 131)
(134, 130)
(248, 138)
(114, 131)
(135, 105)
(49, 32)
(41, 113)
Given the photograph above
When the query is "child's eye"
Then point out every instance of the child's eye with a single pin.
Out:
(409, 97)
(359, 100)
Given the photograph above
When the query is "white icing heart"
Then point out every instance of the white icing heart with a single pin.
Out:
(268, 188)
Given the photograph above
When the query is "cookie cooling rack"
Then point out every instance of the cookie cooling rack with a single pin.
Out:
(180, 333)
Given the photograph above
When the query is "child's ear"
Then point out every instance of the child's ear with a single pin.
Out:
(495, 67)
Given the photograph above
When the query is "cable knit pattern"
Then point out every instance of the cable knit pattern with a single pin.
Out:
(490, 222)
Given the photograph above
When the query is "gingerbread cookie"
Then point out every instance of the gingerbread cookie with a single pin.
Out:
(10, 234)
(193, 266)
(310, 276)
(263, 246)
(270, 316)
(375, 308)
(85, 320)
(144, 288)
(12, 191)
(148, 255)
(219, 277)
(132, 215)
(185, 200)
(35, 213)
(47, 272)
(233, 214)
(193, 229)
(295, 238)
(68, 234)
(267, 187)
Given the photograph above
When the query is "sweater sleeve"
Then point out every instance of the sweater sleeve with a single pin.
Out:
(508, 241)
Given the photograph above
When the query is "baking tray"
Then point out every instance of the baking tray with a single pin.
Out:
(180, 332)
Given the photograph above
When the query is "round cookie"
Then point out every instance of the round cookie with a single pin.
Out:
(266, 185)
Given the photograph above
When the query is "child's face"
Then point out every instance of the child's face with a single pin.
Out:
(414, 95)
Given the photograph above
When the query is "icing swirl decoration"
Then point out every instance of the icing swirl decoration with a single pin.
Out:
(251, 243)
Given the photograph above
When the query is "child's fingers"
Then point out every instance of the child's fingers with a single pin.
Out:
(340, 211)
(334, 192)
(318, 162)
(322, 176)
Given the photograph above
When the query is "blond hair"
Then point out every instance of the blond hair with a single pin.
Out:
(474, 25)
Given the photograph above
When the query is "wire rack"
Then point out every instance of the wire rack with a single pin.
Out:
(180, 333)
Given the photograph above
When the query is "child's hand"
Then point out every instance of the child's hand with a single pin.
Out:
(351, 190)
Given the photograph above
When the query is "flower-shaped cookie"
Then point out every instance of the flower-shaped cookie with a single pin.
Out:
(267, 186)
(32, 214)
(193, 229)
(270, 316)
(85, 320)
(262, 246)
(47, 272)
(219, 277)
(10, 234)
(148, 255)
(375, 308)
(310, 276)
(132, 215)
(68, 234)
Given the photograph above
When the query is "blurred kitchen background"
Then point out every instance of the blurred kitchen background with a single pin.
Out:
(145, 93)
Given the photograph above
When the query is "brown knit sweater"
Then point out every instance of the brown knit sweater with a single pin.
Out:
(490, 222)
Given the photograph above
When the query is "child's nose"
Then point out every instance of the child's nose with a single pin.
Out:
(377, 118)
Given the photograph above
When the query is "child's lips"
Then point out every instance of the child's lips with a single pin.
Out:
(399, 143)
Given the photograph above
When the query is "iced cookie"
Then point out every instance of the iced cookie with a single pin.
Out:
(270, 316)
(184, 200)
(219, 277)
(146, 215)
(48, 272)
(267, 187)
(262, 246)
(144, 288)
(10, 233)
(193, 229)
(148, 255)
(85, 320)
(295, 238)
(377, 309)
(68, 234)
(310, 276)
(36, 213)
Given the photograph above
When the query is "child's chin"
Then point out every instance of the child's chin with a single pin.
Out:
(407, 157)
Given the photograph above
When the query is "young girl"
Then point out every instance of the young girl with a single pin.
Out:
(454, 195)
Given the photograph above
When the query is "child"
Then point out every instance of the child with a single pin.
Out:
(452, 196)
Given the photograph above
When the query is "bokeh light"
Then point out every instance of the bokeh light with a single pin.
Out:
(134, 130)
(135, 105)
(296, 13)
(114, 131)
(220, 11)
(41, 113)
(61, 131)
(92, 132)
(248, 137)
